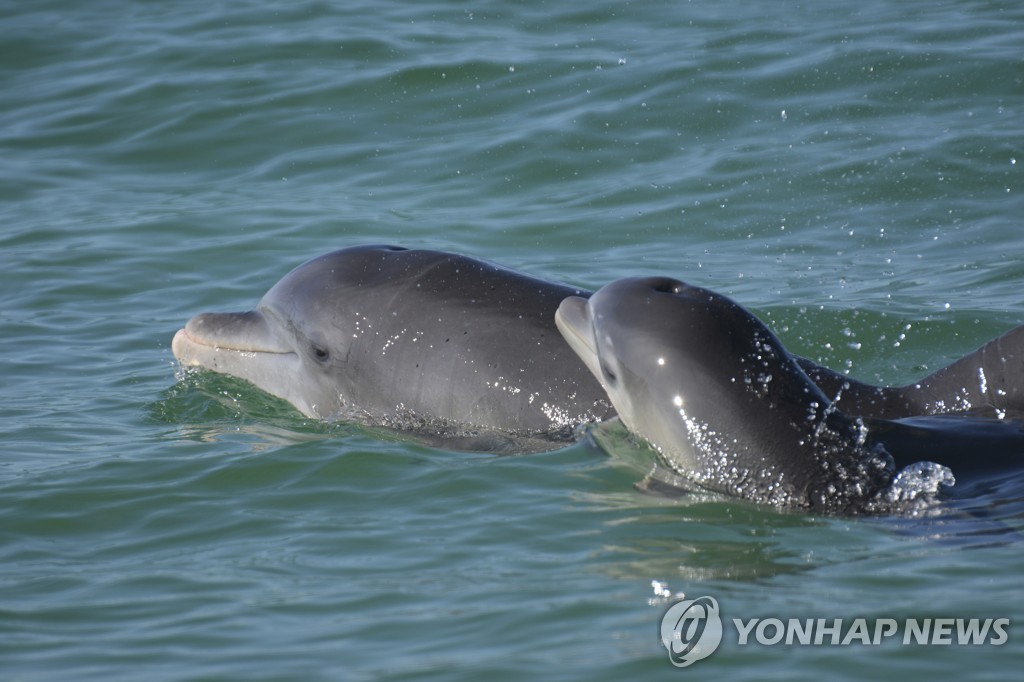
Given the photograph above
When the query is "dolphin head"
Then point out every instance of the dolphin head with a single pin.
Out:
(711, 388)
(292, 345)
(676, 360)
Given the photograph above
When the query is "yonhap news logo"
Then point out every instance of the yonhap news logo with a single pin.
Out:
(692, 629)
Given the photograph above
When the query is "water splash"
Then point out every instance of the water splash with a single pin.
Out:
(920, 482)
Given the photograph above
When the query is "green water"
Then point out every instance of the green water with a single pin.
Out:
(851, 171)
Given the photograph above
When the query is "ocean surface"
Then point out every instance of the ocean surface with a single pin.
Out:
(852, 172)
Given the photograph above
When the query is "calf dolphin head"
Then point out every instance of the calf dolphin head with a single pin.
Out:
(710, 387)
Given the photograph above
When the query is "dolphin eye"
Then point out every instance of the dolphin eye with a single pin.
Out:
(321, 353)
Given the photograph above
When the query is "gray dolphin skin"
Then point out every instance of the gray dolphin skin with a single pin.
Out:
(715, 392)
(711, 388)
(402, 338)
(447, 347)
(987, 382)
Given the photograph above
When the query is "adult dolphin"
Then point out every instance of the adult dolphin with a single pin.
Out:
(416, 339)
(713, 390)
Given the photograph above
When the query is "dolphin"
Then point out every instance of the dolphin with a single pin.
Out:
(417, 340)
(716, 393)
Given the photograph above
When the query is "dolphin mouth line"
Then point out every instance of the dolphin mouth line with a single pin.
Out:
(572, 318)
(191, 337)
(579, 337)
(574, 322)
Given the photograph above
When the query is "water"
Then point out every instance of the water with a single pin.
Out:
(852, 172)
